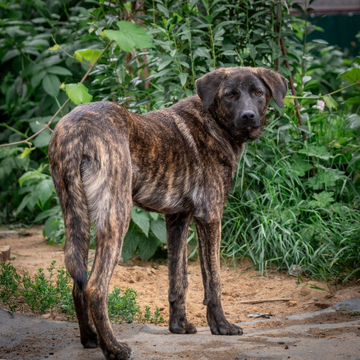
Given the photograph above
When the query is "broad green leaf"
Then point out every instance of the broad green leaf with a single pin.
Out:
(202, 52)
(47, 213)
(26, 152)
(45, 190)
(163, 10)
(88, 54)
(330, 102)
(23, 203)
(42, 139)
(36, 79)
(10, 54)
(51, 84)
(352, 75)
(141, 219)
(131, 242)
(147, 247)
(59, 70)
(33, 198)
(288, 100)
(159, 229)
(129, 36)
(316, 151)
(183, 77)
(49, 225)
(163, 64)
(78, 93)
(154, 215)
(38, 123)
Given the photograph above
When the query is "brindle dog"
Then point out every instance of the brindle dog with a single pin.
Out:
(178, 162)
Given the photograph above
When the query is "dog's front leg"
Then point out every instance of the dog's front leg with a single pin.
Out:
(209, 233)
(177, 232)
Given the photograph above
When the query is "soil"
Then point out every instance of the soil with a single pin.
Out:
(30, 251)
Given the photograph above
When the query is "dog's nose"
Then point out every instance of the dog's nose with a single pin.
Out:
(248, 118)
(248, 115)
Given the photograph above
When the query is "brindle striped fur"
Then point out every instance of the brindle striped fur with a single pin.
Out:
(178, 162)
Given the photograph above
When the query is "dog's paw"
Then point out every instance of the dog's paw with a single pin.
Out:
(182, 328)
(219, 325)
(90, 341)
(226, 329)
(121, 352)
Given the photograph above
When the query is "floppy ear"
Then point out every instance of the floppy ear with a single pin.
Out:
(208, 86)
(276, 83)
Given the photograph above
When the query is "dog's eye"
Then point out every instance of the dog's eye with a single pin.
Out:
(258, 93)
(230, 95)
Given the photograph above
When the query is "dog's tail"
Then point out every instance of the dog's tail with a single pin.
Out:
(65, 157)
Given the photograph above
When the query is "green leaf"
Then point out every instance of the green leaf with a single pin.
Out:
(163, 64)
(49, 226)
(42, 139)
(131, 242)
(288, 100)
(322, 200)
(78, 93)
(202, 52)
(88, 54)
(59, 70)
(45, 190)
(183, 77)
(56, 210)
(159, 229)
(33, 198)
(141, 219)
(154, 215)
(26, 152)
(316, 151)
(299, 167)
(36, 79)
(51, 84)
(10, 54)
(352, 75)
(163, 10)
(23, 203)
(148, 247)
(129, 36)
(330, 102)
(325, 179)
(354, 122)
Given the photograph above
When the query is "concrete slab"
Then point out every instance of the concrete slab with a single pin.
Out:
(294, 337)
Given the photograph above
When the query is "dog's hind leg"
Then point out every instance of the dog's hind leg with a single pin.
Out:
(107, 185)
(177, 227)
(65, 166)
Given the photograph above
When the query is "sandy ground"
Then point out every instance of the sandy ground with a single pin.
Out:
(29, 252)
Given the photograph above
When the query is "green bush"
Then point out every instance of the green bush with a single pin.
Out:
(296, 194)
(45, 293)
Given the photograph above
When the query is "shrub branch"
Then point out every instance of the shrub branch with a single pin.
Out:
(47, 126)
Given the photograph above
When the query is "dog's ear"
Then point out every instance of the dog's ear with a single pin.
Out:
(276, 83)
(208, 86)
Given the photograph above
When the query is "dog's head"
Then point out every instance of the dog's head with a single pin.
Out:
(239, 97)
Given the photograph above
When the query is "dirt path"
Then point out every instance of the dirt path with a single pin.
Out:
(29, 251)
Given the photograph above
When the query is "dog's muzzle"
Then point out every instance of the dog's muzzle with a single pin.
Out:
(248, 119)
